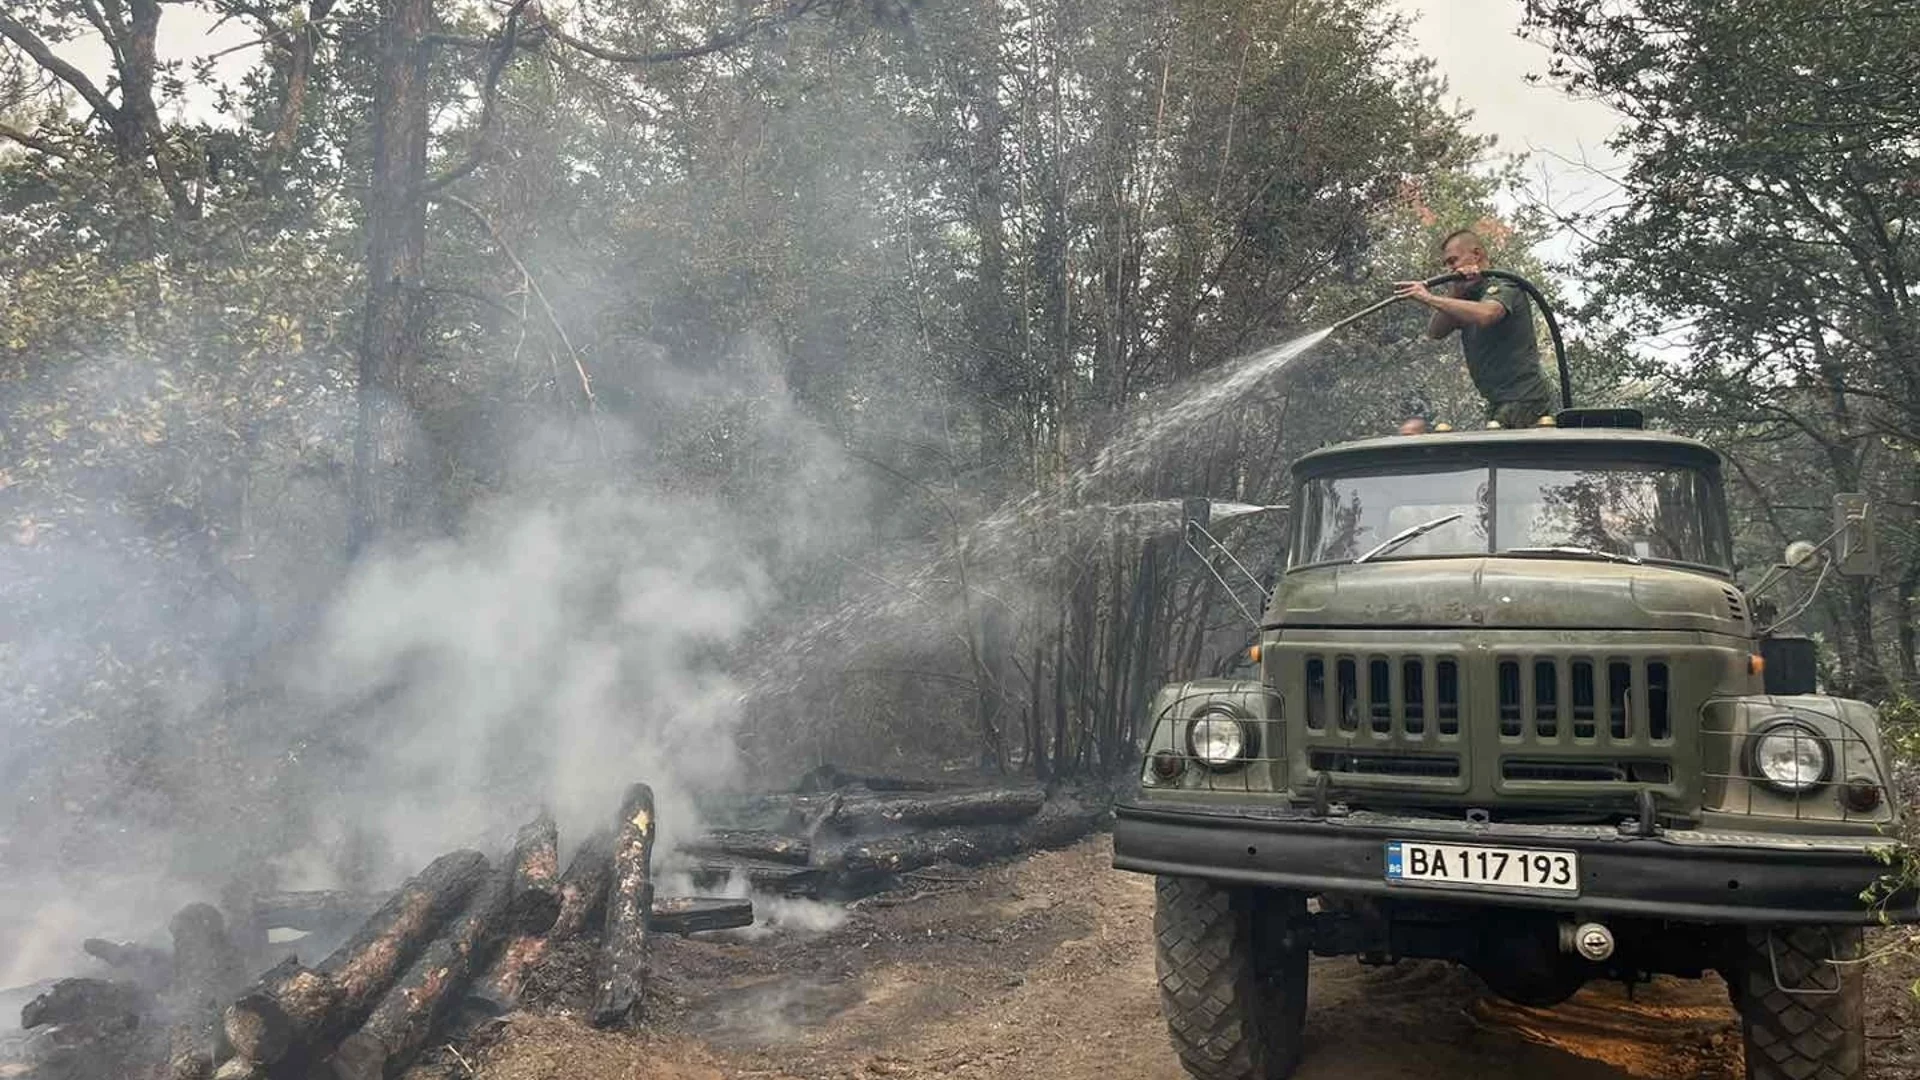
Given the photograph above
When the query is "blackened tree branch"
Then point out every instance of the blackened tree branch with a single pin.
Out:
(489, 93)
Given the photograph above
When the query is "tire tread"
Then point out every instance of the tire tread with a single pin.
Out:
(1798, 1036)
(1225, 1021)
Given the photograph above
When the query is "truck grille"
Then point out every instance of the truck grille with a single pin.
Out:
(1457, 722)
(1543, 697)
(1402, 695)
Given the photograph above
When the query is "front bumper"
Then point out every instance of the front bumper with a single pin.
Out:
(1682, 875)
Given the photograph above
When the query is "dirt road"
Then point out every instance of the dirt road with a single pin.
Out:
(1044, 968)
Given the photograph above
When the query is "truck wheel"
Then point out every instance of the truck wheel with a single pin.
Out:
(1802, 1036)
(1233, 977)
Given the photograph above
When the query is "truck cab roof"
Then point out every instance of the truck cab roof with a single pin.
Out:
(1537, 443)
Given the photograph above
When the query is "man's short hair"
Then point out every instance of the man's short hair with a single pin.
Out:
(1457, 234)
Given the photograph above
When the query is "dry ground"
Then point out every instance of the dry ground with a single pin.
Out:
(1044, 968)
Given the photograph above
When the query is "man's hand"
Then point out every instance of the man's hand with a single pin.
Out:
(1416, 291)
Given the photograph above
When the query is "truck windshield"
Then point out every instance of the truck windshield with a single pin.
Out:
(1651, 512)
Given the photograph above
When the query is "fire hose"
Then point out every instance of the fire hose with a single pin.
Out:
(1528, 287)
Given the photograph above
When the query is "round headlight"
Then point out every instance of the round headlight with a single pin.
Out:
(1791, 757)
(1218, 739)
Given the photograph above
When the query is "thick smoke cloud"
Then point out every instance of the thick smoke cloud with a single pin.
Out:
(554, 652)
(585, 624)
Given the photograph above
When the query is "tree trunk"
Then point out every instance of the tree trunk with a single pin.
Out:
(623, 953)
(583, 888)
(292, 1006)
(868, 867)
(992, 806)
(535, 865)
(751, 844)
(388, 458)
(207, 970)
(1146, 613)
(148, 967)
(534, 910)
(411, 1008)
(693, 914)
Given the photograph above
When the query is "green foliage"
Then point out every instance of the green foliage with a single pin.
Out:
(1900, 727)
(1768, 192)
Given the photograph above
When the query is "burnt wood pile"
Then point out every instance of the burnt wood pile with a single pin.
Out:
(861, 836)
(457, 941)
(465, 938)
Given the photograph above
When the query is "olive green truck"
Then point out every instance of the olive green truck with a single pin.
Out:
(1508, 707)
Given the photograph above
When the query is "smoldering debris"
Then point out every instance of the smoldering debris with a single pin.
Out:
(455, 941)
(467, 939)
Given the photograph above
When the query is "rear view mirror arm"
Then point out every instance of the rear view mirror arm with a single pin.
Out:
(1207, 563)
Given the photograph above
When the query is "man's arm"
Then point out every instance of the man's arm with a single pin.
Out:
(1450, 312)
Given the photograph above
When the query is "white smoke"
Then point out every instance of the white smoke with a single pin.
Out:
(554, 652)
(585, 626)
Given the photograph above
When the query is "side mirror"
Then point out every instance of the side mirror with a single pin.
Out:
(1856, 547)
(1802, 555)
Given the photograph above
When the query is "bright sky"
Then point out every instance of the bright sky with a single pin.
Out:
(1479, 52)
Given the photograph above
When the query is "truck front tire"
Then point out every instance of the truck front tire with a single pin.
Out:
(1232, 966)
(1814, 1028)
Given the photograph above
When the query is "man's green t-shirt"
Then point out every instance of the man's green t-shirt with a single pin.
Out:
(1504, 359)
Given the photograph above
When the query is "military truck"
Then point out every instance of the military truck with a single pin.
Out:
(1508, 707)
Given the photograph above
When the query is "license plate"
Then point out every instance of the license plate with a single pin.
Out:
(1412, 862)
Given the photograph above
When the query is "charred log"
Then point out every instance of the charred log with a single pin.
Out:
(206, 964)
(865, 867)
(623, 951)
(126, 954)
(406, 1015)
(316, 911)
(535, 864)
(582, 903)
(501, 984)
(849, 814)
(583, 888)
(1062, 822)
(262, 1025)
(293, 1005)
(144, 965)
(694, 914)
(94, 1004)
(770, 847)
(765, 877)
(207, 970)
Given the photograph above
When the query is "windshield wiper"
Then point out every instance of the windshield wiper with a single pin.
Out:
(1568, 549)
(1405, 535)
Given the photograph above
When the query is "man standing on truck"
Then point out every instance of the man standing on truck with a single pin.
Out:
(1495, 320)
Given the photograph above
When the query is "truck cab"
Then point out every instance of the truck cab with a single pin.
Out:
(1512, 709)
